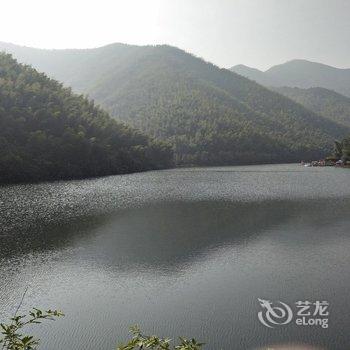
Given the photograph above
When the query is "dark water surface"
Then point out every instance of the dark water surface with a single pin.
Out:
(180, 252)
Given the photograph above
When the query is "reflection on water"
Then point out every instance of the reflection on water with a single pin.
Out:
(290, 347)
(174, 233)
(184, 252)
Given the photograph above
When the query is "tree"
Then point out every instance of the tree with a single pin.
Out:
(342, 149)
(14, 339)
(140, 341)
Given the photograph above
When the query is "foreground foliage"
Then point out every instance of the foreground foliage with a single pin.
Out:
(14, 339)
(12, 336)
(48, 133)
(141, 341)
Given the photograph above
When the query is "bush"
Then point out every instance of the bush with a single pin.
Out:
(13, 339)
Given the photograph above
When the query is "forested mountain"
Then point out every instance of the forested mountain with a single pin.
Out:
(47, 133)
(210, 115)
(325, 102)
(300, 73)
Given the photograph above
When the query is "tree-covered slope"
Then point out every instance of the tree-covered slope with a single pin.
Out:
(302, 74)
(46, 132)
(325, 102)
(210, 115)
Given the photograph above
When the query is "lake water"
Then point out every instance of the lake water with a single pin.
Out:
(180, 252)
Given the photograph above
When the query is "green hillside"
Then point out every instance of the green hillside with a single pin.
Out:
(210, 115)
(325, 102)
(47, 133)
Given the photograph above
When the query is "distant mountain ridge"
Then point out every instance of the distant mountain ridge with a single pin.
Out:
(76, 68)
(251, 73)
(211, 116)
(300, 73)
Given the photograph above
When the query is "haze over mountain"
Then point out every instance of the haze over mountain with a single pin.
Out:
(252, 74)
(300, 73)
(322, 101)
(211, 116)
(48, 133)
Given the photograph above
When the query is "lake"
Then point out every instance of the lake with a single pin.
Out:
(180, 252)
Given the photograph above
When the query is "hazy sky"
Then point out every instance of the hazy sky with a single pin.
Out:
(258, 33)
